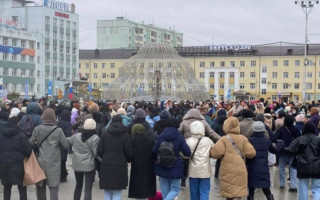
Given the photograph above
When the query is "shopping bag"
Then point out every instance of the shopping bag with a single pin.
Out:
(271, 159)
(33, 173)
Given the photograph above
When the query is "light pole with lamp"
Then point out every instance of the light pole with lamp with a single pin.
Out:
(306, 8)
(101, 91)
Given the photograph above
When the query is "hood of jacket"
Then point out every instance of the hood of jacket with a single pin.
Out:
(170, 134)
(32, 108)
(221, 119)
(231, 126)
(117, 128)
(193, 114)
(10, 130)
(65, 115)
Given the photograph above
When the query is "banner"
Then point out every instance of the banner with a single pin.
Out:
(70, 91)
(50, 89)
(26, 89)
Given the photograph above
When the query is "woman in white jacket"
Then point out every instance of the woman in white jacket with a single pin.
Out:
(199, 166)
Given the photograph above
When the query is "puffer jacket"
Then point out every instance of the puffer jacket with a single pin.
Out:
(126, 121)
(200, 166)
(83, 152)
(194, 115)
(233, 174)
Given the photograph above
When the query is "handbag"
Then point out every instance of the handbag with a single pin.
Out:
(33, 173)
(236, 147)
(97, 160)
(36, 147)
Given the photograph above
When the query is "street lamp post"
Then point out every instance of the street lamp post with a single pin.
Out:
(306, 8)
(101, 91)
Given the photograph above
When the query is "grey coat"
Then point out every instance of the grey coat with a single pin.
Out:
(246, 127)
(50, 151)
(83, 159)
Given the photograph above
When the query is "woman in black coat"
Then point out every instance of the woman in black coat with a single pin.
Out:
(142, 177)
(14, 148)
(258, 169)
(116, 151)
(65, 124)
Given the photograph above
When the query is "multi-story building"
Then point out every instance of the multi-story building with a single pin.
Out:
(245, 71)
(58, 46)
(123, 33)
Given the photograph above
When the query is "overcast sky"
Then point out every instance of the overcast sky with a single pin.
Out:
(205, 22)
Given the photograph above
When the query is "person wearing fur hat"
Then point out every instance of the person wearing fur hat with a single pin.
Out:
(233, 173)
(258, 169)
(14, 148)
(126, 121)
(83, 160)
(200, 170)
(142, 176)
(315, 118)
(49, 153)
(306, 149)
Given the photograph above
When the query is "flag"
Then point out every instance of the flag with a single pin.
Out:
(70, 91)
(50, 89)
(90, 88)
(26, 89)
(1, 83)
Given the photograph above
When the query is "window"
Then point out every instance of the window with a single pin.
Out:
(54, 48)
(286, 63)
(309, 86)
(61, 22)
(242, 74)
(318, 86)
(31, 73)
(104, 75)
(318, 74)
(87, 75)
(310, 63)
(264, 80)
(95, 65)
(61, 48)
(23, 43)
(309, 74)
(253, 63)
(112, 75)
(297, 63)
(211, 64)
(274, 97)
(211, 86)
(31, 45)
(296, 85)
(38, 73)
(252, 74)
(103, 65)
(94, 85)
(112, 65)
(211, 74)
(275, 63)
(31, 59)
(252, 86)
(201, 74)
(232, 64)
(95, 75)
(297, 74)
(14, 72)
(285, 86)
(242, 63)
(274, 74)
(309, 96)
(23, 72)
(202, 64)
(221, 74)
(242, 86)
(38, 87)
(263, 91)
(222, 63)
(5, 56)
(221, 85)
(231, 74)
(23, 59)
(296, 98)
(55, 35)
(5, 41)
(285, 75)
(5, 71)
(264, 70)
(14, 57)
(68, 24)
(54, 75)
(87, 65)
(274, 86)
(14, 42)
(47, 20)
(54, 21)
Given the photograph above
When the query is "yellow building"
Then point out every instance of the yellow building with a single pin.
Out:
(255, 71)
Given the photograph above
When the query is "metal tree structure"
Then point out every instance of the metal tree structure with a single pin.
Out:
(157, 72)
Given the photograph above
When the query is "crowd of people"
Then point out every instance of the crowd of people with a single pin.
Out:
(171, 140)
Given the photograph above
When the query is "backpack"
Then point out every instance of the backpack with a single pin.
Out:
(28, 126)
(165, 156)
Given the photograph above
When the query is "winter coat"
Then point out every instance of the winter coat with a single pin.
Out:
(74, 115)
(218, 127)
(246, 127)
(32, 112)
(258, 169)
(84, 153)
(146, 126)
(315, 118)
(66, 126)
(2, 123)
(209, 121)
(126, 121)
(153, 120)
(50, 151)
(160, 125)
(172, 135)
(142, 176)
(116, 151)
(194, 115)
(299, 126)
(14, 148)
(233, 173)
(306, 148)
(200, 166)
(287, 136)
(100, 129)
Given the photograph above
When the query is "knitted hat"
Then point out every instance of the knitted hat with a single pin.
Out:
(221, 112)
(258, 127)
(165, 114)
(49, 116)
(173, 123)
(140, 114)
(89, 124)
(267, 110)
(97, 117)
(93, 108)
(300, 118)
(260, 117)
(14, 112)
(309, 127)
(314, 110)
(197, 128)
(138, 128)
(23, 109)
(247, 113)
(121, 111)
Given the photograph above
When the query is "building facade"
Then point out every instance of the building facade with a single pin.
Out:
(256, 71)
(57, 43)
(123, 33)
